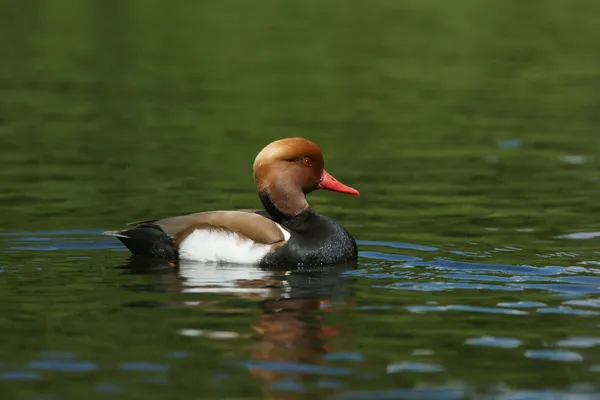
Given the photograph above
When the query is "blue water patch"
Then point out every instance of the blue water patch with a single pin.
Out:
(501, 268)
(422, 352)
(370, 273)
(34, 239)
(471, 254)
(574, 159)
(591, 262)
(294, 367)
(507, 249)
(561, 288)
(396, 245)
(408, 394)
(586, 280)
(349, 356)
(63, 366)
(287, 385)
(429, 308)
(406, 366)
(440, 286)
(522, 304)
(563, 285)
(579, 341)
(387, 256)
(595, 303)
(58, 241)
(74, 232)
(542, 394)
(64, 245)
(494, 278)
(554, 355)
(567, 311)
(142, 366)
(579, 235)
(373, 308)
(491, 341)
(510, 143)
(19, 376)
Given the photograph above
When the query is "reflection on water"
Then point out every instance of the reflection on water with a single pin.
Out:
(294, 338)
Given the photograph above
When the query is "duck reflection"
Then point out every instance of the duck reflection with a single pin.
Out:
(296, 322)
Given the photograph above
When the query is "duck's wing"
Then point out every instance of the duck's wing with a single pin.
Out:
(163, 237)
(248, 224)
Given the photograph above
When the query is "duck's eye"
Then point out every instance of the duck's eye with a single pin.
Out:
(307, 162)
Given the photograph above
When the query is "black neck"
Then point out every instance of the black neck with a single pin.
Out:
(288, 220)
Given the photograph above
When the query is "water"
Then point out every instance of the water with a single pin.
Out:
(470, 129)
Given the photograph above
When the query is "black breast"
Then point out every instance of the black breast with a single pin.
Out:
(316, 240)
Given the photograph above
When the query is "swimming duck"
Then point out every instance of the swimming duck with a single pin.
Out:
(288, 232)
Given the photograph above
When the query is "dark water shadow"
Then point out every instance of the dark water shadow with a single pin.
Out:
(240, 279)
(297, 312)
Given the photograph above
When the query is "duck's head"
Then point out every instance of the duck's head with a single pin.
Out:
(286, 170)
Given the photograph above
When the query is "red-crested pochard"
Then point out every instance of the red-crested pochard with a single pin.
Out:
(286, 233)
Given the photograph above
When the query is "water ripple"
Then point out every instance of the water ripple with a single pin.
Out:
(288, 385)
(143, 366)
(544, 394)
(522, 304)
(554, 355)
(457, 307)
(350, 356)
(409, 394)
(595, 303)
(63, 366)
(294, 367)
(73, 240)
(567, 310)
(500, 268)
(493, 278)
(579, 235)
(387, 256)
(506, 343)
(396, 245)
(579, 341)
(439, 286)
(413, 367)
(564, 288)
(18, 376)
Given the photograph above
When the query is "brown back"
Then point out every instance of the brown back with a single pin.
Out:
(244, 222)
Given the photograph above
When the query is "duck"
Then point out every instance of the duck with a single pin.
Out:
(286, 232)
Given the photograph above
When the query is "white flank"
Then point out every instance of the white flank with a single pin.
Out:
(220, 246)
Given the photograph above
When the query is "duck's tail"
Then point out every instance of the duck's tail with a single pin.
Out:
(147, 240)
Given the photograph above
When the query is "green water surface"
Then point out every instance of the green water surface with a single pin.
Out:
(470, 127)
